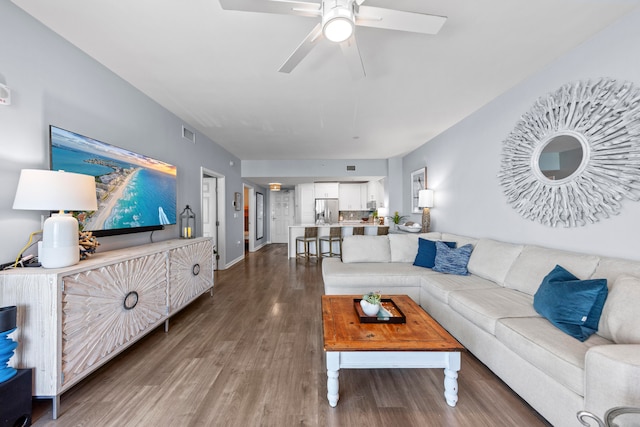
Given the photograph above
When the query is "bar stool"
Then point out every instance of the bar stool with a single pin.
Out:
(335, 235)
(358, 231)
(382, 231)
(310, 236)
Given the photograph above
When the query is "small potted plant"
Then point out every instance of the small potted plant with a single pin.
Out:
(397, 218)
(370, 303)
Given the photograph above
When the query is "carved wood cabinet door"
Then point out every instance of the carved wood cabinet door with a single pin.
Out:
(191, 273)
(106, 309)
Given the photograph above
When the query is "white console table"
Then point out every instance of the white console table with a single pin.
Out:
(73, 320)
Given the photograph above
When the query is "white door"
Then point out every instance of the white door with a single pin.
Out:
(210, 212)
(282, 209)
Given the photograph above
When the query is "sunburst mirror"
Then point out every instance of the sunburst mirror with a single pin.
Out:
(575, 155)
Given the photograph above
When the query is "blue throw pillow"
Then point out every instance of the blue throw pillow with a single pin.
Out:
(426, 256)
(452, 260)
(572, 305)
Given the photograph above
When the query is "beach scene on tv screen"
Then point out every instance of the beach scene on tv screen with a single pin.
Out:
(132, 190)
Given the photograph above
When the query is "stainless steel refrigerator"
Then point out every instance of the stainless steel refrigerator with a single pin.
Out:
(326, 211)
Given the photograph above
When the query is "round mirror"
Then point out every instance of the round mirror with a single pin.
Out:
(575, 154)
(560, 157)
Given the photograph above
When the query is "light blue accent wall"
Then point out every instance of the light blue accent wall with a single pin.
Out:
(463, 162)
(53, 82)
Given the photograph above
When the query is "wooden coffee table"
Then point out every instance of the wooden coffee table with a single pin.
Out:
(419, 343)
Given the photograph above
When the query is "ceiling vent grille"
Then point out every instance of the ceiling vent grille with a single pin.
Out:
(351, 167)
(188, 134)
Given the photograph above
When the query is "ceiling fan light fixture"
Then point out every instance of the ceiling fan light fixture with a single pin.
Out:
(338, 23)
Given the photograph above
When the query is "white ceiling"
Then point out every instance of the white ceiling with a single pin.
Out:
(217, 69)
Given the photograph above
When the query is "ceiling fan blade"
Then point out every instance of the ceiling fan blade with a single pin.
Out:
(350, 50)
(390, 19)
(285, 7)
(302, 50)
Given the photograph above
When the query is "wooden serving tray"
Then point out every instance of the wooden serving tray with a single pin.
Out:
(397, 316)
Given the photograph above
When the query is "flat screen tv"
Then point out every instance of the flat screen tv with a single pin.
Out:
(135, 193)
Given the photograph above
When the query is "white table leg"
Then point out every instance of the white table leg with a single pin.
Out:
(451, 386)
(451, 378)
(333, 366)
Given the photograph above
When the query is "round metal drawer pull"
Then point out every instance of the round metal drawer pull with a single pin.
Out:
(130, 300)
(195, 270)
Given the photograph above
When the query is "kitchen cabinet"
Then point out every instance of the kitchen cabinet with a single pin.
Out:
(353, 197)
(305, 203)
(327, 190)
(375, 193)
(73, 320)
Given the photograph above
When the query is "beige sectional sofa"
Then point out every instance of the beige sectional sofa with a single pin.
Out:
(491, 313)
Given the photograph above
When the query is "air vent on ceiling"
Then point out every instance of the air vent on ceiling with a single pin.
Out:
(187, 134)
(351, 167)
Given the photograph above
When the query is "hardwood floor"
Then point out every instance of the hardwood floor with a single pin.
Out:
(252, 355)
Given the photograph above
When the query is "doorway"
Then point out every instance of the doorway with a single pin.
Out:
(213, 213)
(249, 218)
(282, 210)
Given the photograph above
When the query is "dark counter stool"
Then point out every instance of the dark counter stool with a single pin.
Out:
(310, 236)
(358, 231)
(383, 231)
(335, 235)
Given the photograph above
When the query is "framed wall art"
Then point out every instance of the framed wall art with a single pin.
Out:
(259, 216)
(418, 182)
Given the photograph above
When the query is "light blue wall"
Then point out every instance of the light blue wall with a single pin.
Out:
(463, 162)
(53, 82)
(312, 168)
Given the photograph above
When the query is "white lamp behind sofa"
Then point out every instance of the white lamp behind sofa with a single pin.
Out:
(46, 190)
(425, 201)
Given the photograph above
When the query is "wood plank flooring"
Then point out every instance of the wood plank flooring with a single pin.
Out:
(252, 355)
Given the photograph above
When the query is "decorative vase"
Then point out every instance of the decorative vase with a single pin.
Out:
(369, 309)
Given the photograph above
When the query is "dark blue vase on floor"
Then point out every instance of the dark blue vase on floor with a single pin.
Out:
(7, 345)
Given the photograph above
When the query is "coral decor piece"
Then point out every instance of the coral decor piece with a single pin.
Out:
(88, 244)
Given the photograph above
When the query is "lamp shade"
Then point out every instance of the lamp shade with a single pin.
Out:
(45, 190)
(425, 198)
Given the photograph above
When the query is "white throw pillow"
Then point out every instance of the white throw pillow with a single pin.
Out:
(404, 247)
(620, 321)
(366, 249)
(491, 259)
(535, 262)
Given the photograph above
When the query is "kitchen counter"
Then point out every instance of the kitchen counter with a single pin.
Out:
(323, 230)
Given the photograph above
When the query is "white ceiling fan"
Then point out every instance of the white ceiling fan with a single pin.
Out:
(338, 21)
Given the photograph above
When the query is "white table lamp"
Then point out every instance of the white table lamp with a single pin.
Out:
(425, 201)
(45, 190)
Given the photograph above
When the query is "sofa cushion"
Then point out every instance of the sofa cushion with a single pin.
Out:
(535, 262)
(366, 249)
(460, 240)
(432, 235)
(573, 306)
(611, 268)
(373, 274)
(404, 247)
(620, 321)
(484, 307)
(426, 256)
(452, 260)
(492, 259)
(547, 348)
(439, 286)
